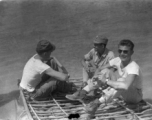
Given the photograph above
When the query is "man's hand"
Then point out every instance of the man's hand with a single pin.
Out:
(68, 77)
(97, 71)
(87, 66)
(102, 78)
(92, 69)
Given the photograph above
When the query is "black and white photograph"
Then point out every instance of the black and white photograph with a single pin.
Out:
(75, 59)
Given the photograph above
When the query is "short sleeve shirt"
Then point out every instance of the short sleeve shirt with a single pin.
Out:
(99, 61)
(131, 68)
(32, 73)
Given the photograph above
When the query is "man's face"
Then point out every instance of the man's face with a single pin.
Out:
(125, 53)
(46, 55)
(99, 48)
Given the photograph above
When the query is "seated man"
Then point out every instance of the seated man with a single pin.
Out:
(41, 74)
(96, 58)
(128, 83)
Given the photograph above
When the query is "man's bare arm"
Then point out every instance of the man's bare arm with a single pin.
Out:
(122, 85)
(61, 66)
(56, 74)
(85, 65)
(101, 68)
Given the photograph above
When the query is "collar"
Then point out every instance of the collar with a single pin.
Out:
(104, 53)
(121, 65)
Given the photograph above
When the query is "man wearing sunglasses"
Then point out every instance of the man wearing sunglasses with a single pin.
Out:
(97, 57)
(128, 79)
(43, 74)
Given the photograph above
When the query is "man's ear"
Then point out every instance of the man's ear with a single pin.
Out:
(132, 52)
(105, 46)
(44, 54)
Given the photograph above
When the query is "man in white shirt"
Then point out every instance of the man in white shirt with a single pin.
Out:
(44, 74)
(128, 82)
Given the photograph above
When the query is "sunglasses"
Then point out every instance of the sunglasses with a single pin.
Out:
(124, 51)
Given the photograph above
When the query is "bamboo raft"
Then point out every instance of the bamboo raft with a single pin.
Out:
(58, 108)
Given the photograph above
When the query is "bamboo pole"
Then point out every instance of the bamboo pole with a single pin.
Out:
(131, 111)
(60, 107)
(34, 112)
(25, 105)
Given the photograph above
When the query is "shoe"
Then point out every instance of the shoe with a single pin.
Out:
(87, 99)
(92, 107)
(95, 93)
(79, 95)
(91, 96)
(72, 88)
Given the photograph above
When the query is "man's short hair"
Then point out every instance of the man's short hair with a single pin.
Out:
(44, 46)
(126, 42)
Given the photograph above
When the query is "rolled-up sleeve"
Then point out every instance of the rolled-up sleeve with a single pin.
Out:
(115, 61)
(111, 55)
(89, 55)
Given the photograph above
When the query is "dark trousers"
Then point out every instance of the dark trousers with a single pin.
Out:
(48, 85)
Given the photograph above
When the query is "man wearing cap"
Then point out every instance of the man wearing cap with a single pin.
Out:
(127, 83)
(93, 60)
(96, 57)
(44, 74)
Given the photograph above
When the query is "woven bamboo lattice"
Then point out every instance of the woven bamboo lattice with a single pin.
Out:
(58, 108)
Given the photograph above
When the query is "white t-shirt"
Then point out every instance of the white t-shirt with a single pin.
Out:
(131, 68)
(32, 73)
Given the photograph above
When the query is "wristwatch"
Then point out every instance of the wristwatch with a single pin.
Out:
(106, 81)
(68, 75)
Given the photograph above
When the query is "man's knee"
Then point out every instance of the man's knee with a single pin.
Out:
(45, 89)
(64, 87)
(52, 63)
(93, 84)
(87, 74)
(112, 74)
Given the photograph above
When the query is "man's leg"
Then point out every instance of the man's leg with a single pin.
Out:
(87, 75)
(53, 65)
(113, 74)
(133, 95)
(44, 89)
(65, 87)
(81, 95)
(92, 85)
(108, 96)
